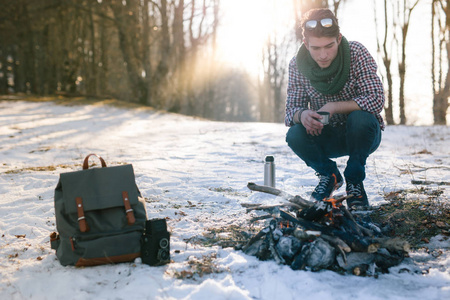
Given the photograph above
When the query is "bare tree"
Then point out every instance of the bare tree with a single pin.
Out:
(405, 9)
(441, 53)
(397, 16)
(275, 60)
(384, 47)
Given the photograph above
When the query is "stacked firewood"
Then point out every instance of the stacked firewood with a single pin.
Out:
(322, 235)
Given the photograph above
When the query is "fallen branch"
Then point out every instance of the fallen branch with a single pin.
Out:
(426, 182)
(273, 191)
(251, 206)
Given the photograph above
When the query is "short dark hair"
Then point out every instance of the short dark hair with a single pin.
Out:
(319, 14)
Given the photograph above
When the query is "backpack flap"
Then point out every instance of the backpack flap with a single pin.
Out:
(88, 192)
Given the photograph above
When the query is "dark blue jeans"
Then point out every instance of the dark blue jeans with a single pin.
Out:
(358, 138)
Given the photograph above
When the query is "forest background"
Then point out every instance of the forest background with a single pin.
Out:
(182, 55)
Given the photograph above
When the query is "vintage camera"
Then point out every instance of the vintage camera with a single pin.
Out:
(155, 243)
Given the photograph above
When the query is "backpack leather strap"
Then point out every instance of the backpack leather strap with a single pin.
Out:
(81, 218)
(128, 210)
(86, 161)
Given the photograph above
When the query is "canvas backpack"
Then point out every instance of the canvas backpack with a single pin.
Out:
(100, 216)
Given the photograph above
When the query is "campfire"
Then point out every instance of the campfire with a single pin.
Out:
(322, 235)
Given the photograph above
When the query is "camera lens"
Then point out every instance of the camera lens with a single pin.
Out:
(163, 255)
(164, 243)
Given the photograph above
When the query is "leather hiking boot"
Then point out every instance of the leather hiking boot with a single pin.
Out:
(359, 197)
(327, 185)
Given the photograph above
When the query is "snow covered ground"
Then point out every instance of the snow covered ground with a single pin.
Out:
(195, 173)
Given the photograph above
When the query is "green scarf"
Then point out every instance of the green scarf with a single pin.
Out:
(337, 72)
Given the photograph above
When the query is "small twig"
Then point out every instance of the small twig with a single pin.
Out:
(420, 168)
(254, 219)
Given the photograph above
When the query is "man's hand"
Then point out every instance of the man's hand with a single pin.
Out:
(309, 119)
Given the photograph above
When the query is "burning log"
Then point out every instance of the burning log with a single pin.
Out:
(320, 235)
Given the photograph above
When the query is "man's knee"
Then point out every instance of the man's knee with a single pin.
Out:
(363, 132)
(295, 135)
(362, 120)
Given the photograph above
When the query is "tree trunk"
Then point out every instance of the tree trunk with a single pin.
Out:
(382, 48)
(159, 78)
(146, 60)
(3, 70)
(441, 88)
(91, 85)
(128, 46)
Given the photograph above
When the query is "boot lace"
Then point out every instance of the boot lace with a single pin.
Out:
(324, 181)
(354, 189)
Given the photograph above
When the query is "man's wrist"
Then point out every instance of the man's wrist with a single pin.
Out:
(298, 115)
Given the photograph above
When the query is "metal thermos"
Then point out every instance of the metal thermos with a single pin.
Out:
(269, 171)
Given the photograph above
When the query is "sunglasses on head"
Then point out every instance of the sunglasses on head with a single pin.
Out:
(326, 23)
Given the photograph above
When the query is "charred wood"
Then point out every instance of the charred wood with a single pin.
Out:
(271, 237)
(254, 239)
(288, 247)
(316, 255)
(385, 259)
(361, 229)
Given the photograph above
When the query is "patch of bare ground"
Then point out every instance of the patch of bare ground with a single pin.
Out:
(415, 215)
(199, 267)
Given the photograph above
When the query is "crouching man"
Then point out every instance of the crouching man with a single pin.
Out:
(330, 74)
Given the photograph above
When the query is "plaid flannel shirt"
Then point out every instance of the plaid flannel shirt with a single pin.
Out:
(363, 86)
